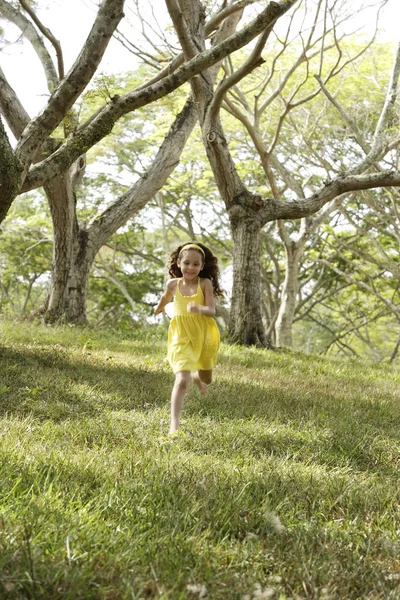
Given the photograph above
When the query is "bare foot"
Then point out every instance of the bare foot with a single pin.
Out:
(172, 431)
(200, 384)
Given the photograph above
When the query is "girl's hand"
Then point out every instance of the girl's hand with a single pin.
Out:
(192, 307)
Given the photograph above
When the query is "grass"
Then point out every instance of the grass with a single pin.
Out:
(284, 485)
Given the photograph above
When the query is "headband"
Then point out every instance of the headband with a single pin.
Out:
(195, 247)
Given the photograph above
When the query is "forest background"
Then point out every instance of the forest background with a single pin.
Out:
(309, 106)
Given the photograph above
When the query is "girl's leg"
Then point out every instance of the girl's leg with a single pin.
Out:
(181, 385)
(202, 379)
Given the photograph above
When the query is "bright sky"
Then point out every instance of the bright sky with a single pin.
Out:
(71, 20)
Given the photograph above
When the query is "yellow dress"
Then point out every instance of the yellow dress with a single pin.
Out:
(193, 338)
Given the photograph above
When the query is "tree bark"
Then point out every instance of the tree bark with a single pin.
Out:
(290, 289)
(10, 170)
(246, 326)
(62, 208)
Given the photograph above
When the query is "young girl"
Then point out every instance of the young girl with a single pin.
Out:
(193, 336)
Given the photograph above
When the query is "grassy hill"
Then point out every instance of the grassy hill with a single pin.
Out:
(284, 484)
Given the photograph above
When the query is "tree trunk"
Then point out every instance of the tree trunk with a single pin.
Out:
(10, 173)
(75, 248)
(72, 255)
(78, 280)
(290, 289)
(62, 207)
(246, 325)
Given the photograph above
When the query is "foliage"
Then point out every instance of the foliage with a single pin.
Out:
(25, 251)
(314, 143)
(128, 151)
(128, 274)
(355, 262)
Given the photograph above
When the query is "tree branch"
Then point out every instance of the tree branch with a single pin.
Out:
(185, 40)
(15, 16)
(94, 130)
(108, 17)
(254, 61)
(12, 109)
(346, 118)
(385, 116)
(47, 33)
(295, 209)
(146, 187)
(214, 22)
(379, 144)
(369, 288)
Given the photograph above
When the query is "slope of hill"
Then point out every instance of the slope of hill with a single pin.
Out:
(284, 482)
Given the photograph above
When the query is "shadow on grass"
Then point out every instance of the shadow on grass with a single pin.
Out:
(57, 386)
(163, 502)
(329, 428)
(181, 513)
(347, 428)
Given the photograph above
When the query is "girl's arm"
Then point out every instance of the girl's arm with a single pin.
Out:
(209, 308)
(166, 297)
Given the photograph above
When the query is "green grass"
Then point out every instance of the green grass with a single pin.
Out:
(285, 486)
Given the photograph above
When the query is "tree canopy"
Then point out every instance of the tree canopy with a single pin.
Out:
(297, 116)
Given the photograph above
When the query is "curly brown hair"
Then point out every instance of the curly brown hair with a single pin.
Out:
(210, 268)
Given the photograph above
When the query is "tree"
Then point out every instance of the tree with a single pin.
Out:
(362, 259)
(248, 211)
(40, 159)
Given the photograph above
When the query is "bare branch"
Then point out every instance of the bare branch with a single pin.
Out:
(354, 328)
(254, 61)
(96, 129)
(15, 114)
(29, 32)
(214, 22)
(391, 306)
(388, 106)
(47, 33)
(337, 338)
(350, 122)
(108, 17)
(379, 144)
(395, 350)
(176, 13)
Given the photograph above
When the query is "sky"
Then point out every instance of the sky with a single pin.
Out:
(24, 71)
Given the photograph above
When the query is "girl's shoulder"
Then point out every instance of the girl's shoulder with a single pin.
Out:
(205, 284)
(172, 284)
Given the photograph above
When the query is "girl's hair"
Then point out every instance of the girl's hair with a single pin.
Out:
(210, 268)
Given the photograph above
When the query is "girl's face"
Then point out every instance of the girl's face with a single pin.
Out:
(190, 263)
